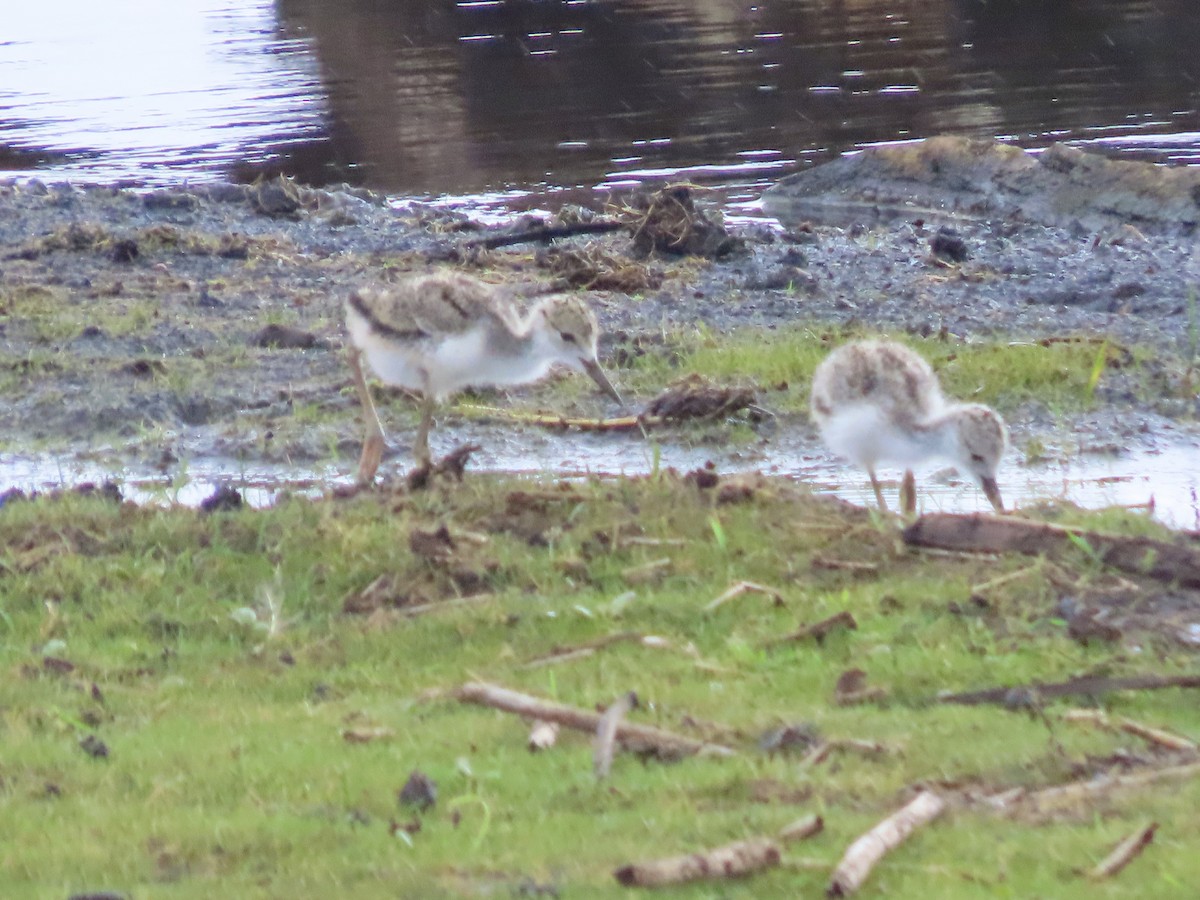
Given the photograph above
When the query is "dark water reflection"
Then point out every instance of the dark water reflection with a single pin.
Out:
(429, 96)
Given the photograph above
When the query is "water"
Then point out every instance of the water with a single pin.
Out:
(430, 98)
(1163, 481)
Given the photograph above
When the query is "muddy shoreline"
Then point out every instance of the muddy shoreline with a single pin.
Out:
(161, 328)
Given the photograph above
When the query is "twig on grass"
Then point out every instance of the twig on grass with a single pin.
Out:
(1090, 685)
(581, 651)
(802, 829)
(862, 856)
(1079, 791)
(1124, 853)
(1153, 735)
(606, 733)
(844, 565)
(630, 735)
(738, 588)
(817, 630)
(731, 861)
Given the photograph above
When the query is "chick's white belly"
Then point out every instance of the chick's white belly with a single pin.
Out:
(865, 435)
(444, 365)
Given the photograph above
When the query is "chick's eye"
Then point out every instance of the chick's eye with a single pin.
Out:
(976, 458)
(567, 337)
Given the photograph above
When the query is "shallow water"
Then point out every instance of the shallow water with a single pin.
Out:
(487, 97)
(1164, 481)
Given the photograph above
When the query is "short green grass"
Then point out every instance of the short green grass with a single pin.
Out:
(227, 770)
(1060, 374)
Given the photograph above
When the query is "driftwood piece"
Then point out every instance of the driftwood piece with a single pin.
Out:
(606, 733)
(1079, 791)
(1090, 685)
(631, 736)
(802, 829)
(1003, 534)
(1129, 726)
(1124, 853)
(731, 861)
(861, 857)
(817, 630)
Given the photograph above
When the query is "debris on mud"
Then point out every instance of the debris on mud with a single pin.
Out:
(593, 268)
(696, 397)
(668, 221)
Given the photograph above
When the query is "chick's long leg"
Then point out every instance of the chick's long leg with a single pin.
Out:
(908, 494)
(372, 452)
(421, 441)
(878, 490)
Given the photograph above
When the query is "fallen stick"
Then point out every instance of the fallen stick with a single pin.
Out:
(616, 423)
(1002, 534)
(731, 861)
(844, 565)
(543, 234)
(1077, 791)
(1152, 735)
(631, 736)
(738, 588)
(606, 733)
(861, 857)
(579, 651)
(1090, 685)
(817, 630)
(420, 609)
(1125, 853)
(823, 750)
(802, 829)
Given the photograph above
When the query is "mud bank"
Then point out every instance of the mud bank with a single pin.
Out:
(163, 329)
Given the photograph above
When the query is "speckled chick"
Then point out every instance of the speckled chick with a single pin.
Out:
(877, 401)
(436, 334)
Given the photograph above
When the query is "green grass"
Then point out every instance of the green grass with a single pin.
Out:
(1062, 374)
(228, 771)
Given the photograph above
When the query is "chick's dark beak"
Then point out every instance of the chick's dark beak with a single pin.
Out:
(593, 369)
(992, 492)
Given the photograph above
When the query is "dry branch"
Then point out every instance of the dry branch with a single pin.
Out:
(631, 736)
(1090, 685)
(543, 234)
(1153, 735)
(802, 829)
(738, 588)
(732, 860)
(1003, 534)
(606, 733)
(855, 867)
(844, 565)
(817, 630)
(1125, 853)
(1079, 791)
(581, 651)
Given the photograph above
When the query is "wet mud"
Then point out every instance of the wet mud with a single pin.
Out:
(199, 329)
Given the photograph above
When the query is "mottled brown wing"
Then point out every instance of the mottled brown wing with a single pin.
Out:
(435, 305)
